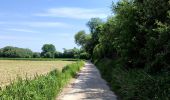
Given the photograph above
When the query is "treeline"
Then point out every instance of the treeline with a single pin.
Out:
(15, 52)
(48, 51)
(136, 39)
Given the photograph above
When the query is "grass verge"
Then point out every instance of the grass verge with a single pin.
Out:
(134, 84)
(44, 87)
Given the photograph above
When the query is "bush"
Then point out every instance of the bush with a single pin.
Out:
(44, 87)
(134, 84)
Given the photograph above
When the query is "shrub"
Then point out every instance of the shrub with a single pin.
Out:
(134, 84)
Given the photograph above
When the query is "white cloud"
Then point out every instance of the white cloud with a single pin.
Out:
(46, 24)
(14, 38)
(39, 24)
(22, 30)
(76, 13)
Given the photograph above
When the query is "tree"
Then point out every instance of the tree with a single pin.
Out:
(58, 55)
(84, 40)
(94, 25)
(80, 38)
(36, 55)
(1, 53)
(15, 52)
(48, 50)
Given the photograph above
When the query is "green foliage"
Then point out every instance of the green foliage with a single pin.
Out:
(15, 52)
(137, 38)
(58, 55)
(80, 38)
(1, 53)
(84, 55)
(48, 51)
(89, 41)
(94, 26)
(36, 55)
(44, 87)
(138, 34)
(134, 84)
(48, 55)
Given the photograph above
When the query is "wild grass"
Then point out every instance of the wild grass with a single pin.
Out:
(135, 84)
(44, 87)
(10, 69)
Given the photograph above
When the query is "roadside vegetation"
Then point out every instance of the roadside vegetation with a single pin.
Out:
(43, 87)
(132, 48)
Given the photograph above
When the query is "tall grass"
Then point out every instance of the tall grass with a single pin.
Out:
(135, 84)
(44, 87)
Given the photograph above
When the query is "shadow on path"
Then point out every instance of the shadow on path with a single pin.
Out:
(88, 86)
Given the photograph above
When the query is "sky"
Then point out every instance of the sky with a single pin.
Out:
(32, 23)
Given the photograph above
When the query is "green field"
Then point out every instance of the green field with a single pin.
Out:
(10, 69)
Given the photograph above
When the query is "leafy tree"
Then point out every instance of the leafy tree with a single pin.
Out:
(36, 55)
(58, 54)
(48, 50)
(84, 55)
(137, 34)
(48, 55)
(15, 52)
(94, 26)
(84, 40)
(81, 38)
(1, 53)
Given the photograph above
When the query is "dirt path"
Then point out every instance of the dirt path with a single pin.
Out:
(88, 86)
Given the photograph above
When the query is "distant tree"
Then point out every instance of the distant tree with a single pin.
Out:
(36, 55)
(58, 55)
(68, 53)
(15, 52)
(1, 53)
(48, 55)
(48, 50)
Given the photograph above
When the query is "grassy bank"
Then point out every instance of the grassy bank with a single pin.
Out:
(135, 84)
(44, 87)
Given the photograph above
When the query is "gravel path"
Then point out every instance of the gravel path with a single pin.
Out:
(88, 86)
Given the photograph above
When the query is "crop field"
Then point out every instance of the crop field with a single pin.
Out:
(11, 69)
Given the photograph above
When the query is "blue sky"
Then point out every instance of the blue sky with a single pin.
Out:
(32, 23)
